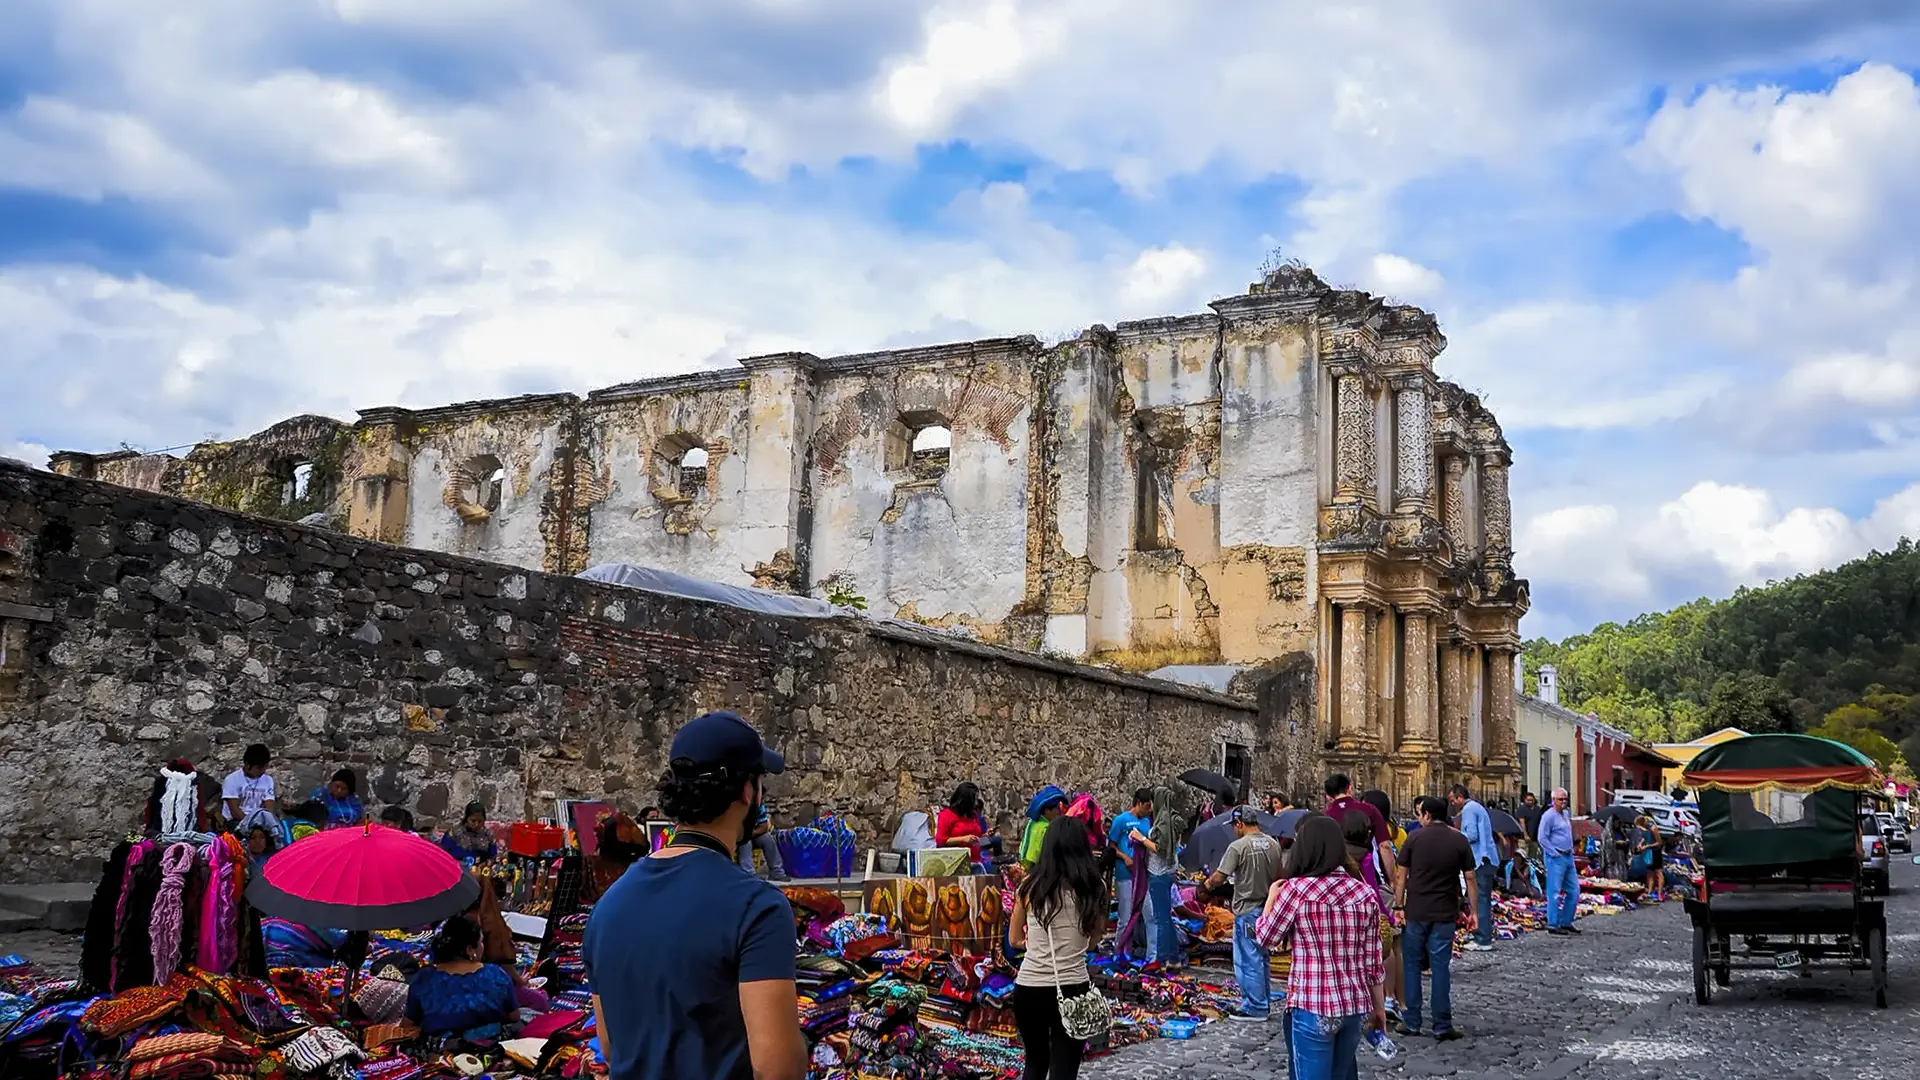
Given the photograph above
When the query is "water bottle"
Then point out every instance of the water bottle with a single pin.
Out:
(1382, 1045)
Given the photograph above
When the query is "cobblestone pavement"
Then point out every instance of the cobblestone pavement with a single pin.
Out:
(1616, 1002)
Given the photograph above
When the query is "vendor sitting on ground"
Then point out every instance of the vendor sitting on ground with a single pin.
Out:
(961, 824)
(263, 839)
(397, 817)
(471, 839)
(459, 994)
(340, 796)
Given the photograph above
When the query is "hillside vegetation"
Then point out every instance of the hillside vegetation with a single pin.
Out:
(1835, 653)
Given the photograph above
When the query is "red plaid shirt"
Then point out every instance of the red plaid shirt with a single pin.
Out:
(1334, 922)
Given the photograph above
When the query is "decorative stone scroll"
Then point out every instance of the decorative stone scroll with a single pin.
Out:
(1454, 494)
(1413, 473)
(1496, 513)
(1354, 442)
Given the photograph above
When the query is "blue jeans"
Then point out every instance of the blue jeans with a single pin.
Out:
(1323, 1047)
(1251, 968)
(1165, 944)
(1484, 876)
(771, 848)
(1432, 942)
(1563, 891)
(1123, 893)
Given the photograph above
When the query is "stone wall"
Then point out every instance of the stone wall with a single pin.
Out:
(137, 627)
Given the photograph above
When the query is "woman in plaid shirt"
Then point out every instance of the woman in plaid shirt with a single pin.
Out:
(1333, 918)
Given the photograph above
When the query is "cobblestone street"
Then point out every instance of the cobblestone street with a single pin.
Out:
(1617, 1002)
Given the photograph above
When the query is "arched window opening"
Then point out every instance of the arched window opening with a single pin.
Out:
(475, 488)
(298, 482)
(691, 471)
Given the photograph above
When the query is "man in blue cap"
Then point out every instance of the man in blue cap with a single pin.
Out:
(1049, 803)
(691, 958)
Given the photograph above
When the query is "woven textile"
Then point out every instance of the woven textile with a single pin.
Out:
(180, 1042)
(113, 1017)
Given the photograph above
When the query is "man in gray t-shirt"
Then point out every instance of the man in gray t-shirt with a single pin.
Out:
(1252, 863)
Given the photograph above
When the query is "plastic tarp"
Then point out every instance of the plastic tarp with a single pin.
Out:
(1214, 677)
(649, 579)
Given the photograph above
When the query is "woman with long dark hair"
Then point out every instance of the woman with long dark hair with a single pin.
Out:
(1058, 915)
(1333, 919)
(962, 824)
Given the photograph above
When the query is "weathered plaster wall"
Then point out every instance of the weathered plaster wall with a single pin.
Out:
(143, 627)
(525, 436)
(644, 518)
(949, 549)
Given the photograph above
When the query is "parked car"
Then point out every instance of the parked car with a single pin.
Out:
(1895, 830)
(1873, 855)
(1674, 820)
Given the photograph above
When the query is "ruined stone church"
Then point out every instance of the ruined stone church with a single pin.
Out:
(1283, 475)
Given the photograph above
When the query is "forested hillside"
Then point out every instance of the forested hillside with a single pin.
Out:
(1835, 653)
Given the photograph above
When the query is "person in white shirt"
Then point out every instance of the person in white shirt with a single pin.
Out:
(248, 790)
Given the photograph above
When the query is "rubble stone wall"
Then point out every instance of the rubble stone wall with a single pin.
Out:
(137, 627)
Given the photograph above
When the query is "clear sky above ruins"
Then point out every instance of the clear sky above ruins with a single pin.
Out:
(1674, 244)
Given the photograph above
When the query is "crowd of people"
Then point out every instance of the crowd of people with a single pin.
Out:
(1369, 910)
(1368, 906)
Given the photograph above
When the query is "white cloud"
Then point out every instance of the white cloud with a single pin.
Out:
(968, 50)
(1402, 278)
(1713, 536)
(1163, 276)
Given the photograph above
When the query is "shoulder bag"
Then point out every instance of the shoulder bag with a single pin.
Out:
(1087, 1016)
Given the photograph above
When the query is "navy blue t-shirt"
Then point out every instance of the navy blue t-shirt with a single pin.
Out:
(666, 951)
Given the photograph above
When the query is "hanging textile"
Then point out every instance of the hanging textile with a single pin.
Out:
(96, 946)
(164, 926)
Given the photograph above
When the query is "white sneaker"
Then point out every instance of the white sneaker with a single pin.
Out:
(1474, 946)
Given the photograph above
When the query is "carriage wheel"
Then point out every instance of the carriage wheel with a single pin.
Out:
(1723, 974)
(1702, 976)
(1877, 963)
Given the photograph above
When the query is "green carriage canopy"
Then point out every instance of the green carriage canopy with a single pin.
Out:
(1780, 799)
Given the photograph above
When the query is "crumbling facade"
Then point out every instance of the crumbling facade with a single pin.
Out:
(1282, 476)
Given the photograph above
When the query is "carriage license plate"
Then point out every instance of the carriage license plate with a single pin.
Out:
(1788, 960)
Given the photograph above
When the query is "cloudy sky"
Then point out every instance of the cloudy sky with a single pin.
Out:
(1674, 245)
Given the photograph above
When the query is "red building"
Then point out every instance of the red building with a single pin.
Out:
(1610, 761)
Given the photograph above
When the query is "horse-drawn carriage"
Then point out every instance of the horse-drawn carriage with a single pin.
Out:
(1781, 883)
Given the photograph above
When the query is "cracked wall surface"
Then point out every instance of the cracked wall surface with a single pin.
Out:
(1280, 476)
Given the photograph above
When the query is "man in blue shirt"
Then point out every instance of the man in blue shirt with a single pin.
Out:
(1477, 827)
(1563, 877)
(691, 958)
(1140, 817)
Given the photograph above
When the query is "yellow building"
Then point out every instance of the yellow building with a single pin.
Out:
(1685, 752)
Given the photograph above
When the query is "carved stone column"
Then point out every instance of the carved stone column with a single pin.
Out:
(1454, 700)
(1355, 720)
(1499, 693)
(1496, 513)
(1353, 439)
(1454, 496)
(1417, 684)
(1413, 450)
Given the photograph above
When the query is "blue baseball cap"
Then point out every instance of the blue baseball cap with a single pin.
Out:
(723, 740)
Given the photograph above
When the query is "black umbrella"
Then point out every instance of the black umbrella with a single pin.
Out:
(1210, 840)
(1612, 813)
(1210, 781)
(1504, 824)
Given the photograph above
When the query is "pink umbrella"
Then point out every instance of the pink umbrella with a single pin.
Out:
(366, 878)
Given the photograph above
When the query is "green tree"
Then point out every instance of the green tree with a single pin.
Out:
(1858, 726)
(1753, 703)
